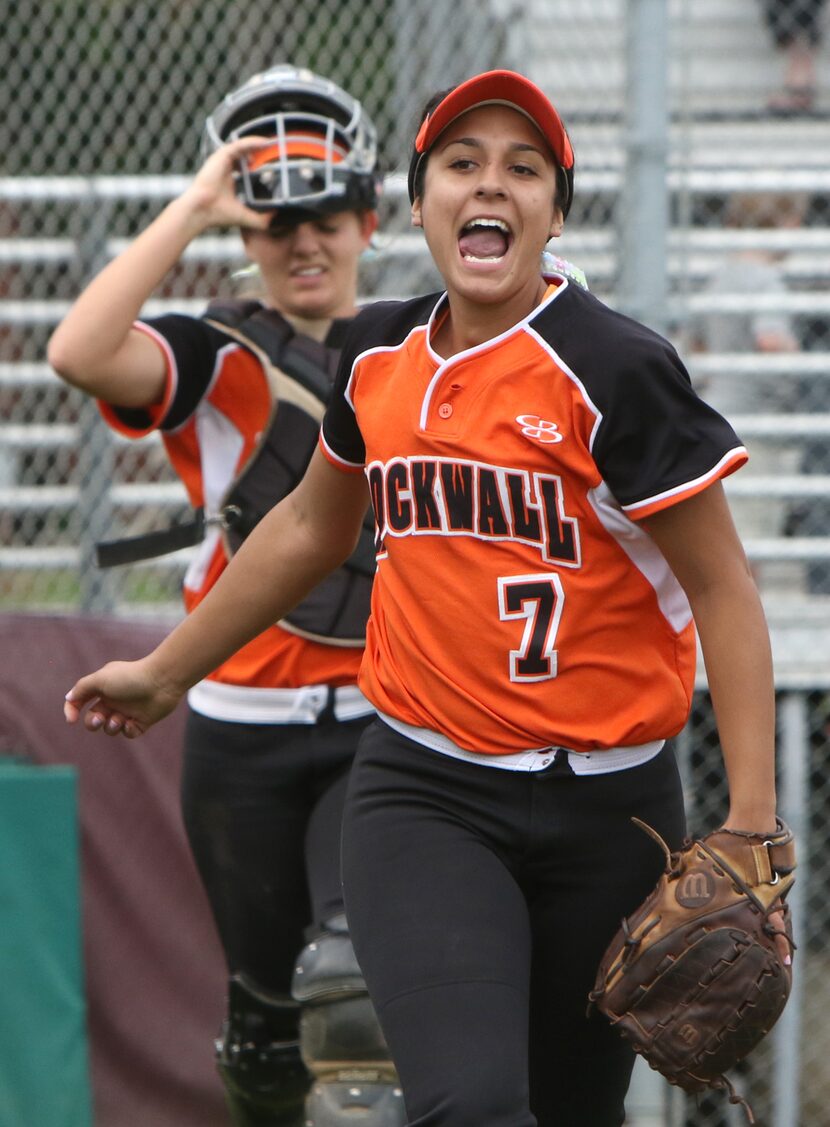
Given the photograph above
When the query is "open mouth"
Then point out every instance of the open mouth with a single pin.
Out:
(484, 240)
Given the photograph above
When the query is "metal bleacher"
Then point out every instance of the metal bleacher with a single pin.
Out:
(722, 69)
(720, 143)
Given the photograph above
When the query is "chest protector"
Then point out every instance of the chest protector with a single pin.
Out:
(300, 374)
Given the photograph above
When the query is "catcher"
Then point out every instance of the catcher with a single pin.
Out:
(237, 395)
(550, 527)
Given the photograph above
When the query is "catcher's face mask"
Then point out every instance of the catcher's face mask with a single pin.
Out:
(324, 154)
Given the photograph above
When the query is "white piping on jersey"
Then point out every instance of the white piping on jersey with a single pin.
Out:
(684, 487)
(220, 446)
(644, 554)
(600, 762)
(447, 362)
(376, 351)
(214, 376)
(573, 377)
(347, 394)
(634, 541)
(335, 457)
(169, 356)
(709, 476)
(194, 577)
(252, 704)
(216, 436)
(427, 328)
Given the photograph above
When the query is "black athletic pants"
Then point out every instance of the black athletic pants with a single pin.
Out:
(262, 805)
(480, 902)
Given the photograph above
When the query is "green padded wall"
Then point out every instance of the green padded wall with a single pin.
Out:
(44, 1070)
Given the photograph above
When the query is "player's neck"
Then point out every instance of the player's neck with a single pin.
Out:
(315, 327)
(469, 324)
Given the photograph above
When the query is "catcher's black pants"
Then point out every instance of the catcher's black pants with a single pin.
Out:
(262, 805)
(480, 902)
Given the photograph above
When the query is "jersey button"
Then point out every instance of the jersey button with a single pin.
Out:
(445, 410)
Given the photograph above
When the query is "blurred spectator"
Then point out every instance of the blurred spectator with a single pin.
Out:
(756, 270)
(795, 26)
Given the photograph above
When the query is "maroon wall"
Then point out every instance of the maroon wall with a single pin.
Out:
(155, 978)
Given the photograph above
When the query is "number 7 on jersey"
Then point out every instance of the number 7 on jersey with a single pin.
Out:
(538, 600)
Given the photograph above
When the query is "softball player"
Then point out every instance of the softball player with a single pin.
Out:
(237, 396)
(550, 527)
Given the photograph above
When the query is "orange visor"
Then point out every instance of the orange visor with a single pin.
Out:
(296, 145)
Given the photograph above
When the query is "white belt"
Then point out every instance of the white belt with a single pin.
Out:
(247, 704)
(534, 759)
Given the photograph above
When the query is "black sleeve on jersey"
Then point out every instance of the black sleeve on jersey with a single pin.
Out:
(338, 329)
(655, 433)
(383, 324)
(195, 346)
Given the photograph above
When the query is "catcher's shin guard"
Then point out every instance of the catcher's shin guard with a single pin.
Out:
(340, 1039)
(258, 1057)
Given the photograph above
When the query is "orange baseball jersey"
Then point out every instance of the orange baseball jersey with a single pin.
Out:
(517, 604)
(216, 403)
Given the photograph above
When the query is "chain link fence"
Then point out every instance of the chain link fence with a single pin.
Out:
(104, 104)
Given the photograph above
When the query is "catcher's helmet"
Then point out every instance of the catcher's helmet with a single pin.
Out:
(324, 154)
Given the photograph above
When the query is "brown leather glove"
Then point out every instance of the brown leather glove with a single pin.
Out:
(693, 978)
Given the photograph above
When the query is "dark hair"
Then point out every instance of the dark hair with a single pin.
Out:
(418, 161)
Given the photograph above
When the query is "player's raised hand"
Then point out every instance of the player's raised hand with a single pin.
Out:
(123, 697)
(213, 191)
